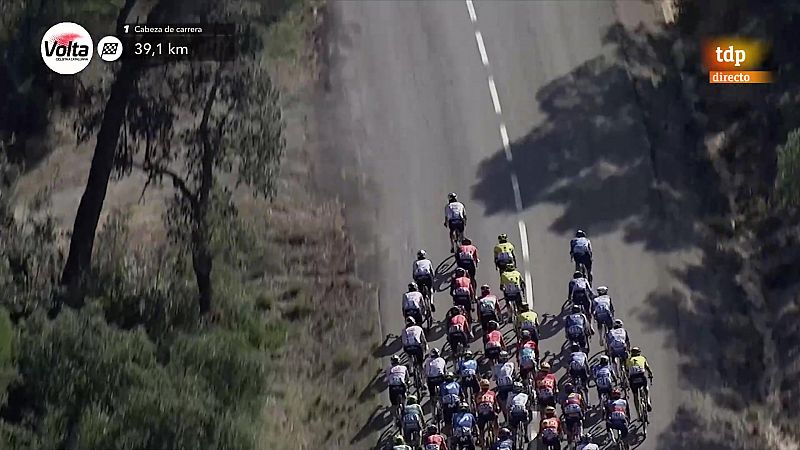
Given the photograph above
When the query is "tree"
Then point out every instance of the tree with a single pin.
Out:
(788, 179)
(194, 124)
(87, 217)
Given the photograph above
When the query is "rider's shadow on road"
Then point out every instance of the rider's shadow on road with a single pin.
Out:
(387, 348)
(375, 386)
(551, 325)
(379, 420)
(443, 274)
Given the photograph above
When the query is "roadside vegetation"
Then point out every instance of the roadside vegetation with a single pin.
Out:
(740, 324)
(198, 294)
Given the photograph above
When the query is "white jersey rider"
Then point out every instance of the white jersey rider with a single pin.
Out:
(422, 273)
(455, 217)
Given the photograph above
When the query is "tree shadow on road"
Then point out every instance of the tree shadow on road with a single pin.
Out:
(604, 151)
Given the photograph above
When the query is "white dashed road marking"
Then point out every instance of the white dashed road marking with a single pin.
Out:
(523, 231)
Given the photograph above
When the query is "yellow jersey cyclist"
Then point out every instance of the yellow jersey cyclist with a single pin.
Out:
(504, 253)
(512, 286)
(636, 366)
(527, 319)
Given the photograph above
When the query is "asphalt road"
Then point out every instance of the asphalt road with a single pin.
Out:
(421, 117)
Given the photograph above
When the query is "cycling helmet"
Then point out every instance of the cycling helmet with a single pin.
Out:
(422, 254)
(503, 355)
(569, 387)
(618, 323)
(526, 335)
(398, 440)
(453, 197)
(454, 311)
(574, 347)
(466, 241)
(580, 234)
(604, 360)
(412, 286)
(602, 290)
(502, 238)
(468, 354)
(586, 438)
(544, 366)
(518, 387)
(577, 274)
(460, 272)
(549, 411)
(493, 325)
(636, 351)
(504, 433)
(435, 352)
(411, 399)
(433, 429)
(616, 393)
(410, 321)
(463, 406)
(510, 267)
(395, 360)
(524, 307)
(484, 383)
(450, 376)
(575, 309)
(486, 289)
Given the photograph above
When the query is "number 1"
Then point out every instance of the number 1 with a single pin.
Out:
(126, 27)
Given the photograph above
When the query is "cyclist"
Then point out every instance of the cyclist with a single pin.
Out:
(604, 378)
(422, 273)
(458, 329)
(455, 218)
(618, 414)
(579, 365)
(576, 327)
(414, 342)
(464, 426)
(488, 409)
(505, 441)
(580, 251)
(518, 404)
(396, 378)
(488, 307)
(450, 395)
(580, 292)
(503, 373)
(585, 443)
(636, 366)
(550, 428)
(412, 303)
(503, 252)
(512, 286)
(467, 258)
(433, 439)
(527, 354)
(546, 385)
(603, 310)
(528, 320)
(434, 370)
(462, 291)
(400, 444)
(573, 408)
(618, 341)
(493, 343)
(413, 418)
(467, 372)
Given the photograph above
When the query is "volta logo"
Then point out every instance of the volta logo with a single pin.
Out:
(67, 48)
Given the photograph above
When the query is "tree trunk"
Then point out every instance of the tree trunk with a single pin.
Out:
(91, 205)
(202, 262)
(87, 217)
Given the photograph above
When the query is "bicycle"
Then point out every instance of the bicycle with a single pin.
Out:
(582, 388)
(427, 315)
(574, 433)
(487, 437)
(642, 394)
(520, 438)
(616, 439)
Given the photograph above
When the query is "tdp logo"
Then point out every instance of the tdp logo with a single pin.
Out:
(730, 55)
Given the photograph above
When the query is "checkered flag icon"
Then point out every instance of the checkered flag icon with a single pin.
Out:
(109, 48)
